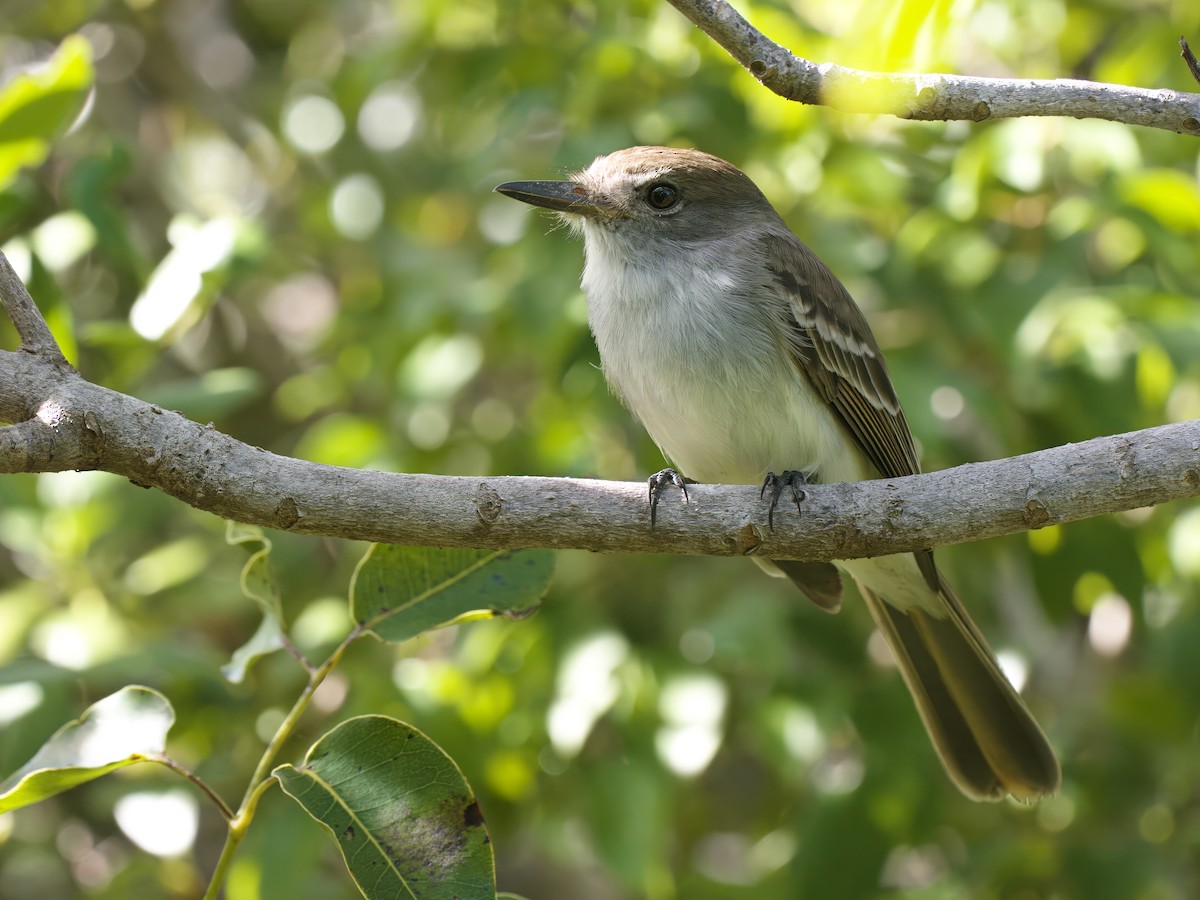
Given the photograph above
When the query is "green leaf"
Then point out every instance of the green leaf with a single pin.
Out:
(266, 640)
(399, 592)
(39, 105)
(1170, 196)
(259, 585)
(257, 582)
(123, 728)
(404, 817)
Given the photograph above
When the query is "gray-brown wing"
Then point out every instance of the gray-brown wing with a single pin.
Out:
(833, 346)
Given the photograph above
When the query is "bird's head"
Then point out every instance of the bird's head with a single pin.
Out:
(651, 194)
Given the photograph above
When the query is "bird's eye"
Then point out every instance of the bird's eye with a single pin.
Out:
(662, 195)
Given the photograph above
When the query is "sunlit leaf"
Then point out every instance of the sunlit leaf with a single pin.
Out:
(913, 33)
(177, 294)
(399, 592)
(38, 105)
(404, 817)
(1170, 196)
(122, 729)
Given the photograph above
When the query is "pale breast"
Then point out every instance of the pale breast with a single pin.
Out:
(701, 367)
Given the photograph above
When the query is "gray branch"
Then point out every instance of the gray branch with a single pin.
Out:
(26, 318)
(934, 97)
(62, 422)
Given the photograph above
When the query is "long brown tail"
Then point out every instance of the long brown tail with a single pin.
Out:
(986, 737)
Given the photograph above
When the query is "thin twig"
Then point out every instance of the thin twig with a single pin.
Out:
(31, 326)
(934, 97)
(163, 760)
(296, 653)
(1190, 58)
(262, 779)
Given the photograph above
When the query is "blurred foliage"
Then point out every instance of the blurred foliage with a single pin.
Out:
(276, 217)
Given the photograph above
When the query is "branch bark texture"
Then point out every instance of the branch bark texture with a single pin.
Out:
(62, 422)
(934, 97)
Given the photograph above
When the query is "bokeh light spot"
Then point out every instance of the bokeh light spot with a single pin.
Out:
(356, 207)
(313, 124)
(1110, 624)
(389, 117)
(161, 823)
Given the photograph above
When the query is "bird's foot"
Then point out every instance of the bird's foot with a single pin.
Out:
(660, 480)
(791, 479)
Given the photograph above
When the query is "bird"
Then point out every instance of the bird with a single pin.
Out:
(743, 355)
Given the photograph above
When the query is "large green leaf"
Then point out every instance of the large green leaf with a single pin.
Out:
(37, 106)
(120, 730)
(404, 817)
(399, 592)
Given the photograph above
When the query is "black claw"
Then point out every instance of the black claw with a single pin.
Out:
(793, 480)
(657, 482)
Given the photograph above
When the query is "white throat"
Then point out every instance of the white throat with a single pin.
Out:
(689, 344)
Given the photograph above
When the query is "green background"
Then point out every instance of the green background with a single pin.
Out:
(320, 174)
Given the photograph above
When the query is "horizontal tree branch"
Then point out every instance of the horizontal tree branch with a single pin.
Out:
(64, 422)
(934, 97)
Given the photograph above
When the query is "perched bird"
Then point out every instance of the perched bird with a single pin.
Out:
(743, 355)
